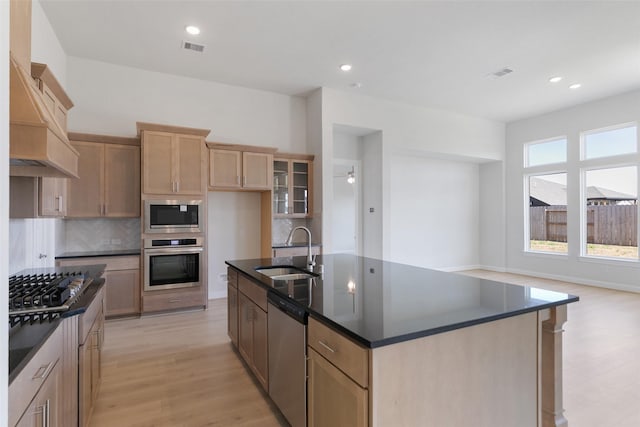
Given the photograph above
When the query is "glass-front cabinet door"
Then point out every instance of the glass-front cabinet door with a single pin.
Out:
(292, 187)
(280, 186)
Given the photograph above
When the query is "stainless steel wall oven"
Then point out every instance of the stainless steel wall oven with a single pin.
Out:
(173, 216)
(172, 263)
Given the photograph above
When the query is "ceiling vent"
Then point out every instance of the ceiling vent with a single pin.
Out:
(501, 73)
(193, 46)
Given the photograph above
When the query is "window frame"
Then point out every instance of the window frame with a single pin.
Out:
(526, 145)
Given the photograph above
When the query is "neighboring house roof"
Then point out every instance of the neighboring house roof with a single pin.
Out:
(548, 193)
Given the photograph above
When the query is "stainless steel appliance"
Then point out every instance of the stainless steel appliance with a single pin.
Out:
(173, 216)
(172, 263)
(287, 358)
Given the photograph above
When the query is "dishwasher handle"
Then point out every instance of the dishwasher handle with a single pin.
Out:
(287, 306)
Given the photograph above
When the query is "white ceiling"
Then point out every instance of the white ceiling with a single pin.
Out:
(434, 54)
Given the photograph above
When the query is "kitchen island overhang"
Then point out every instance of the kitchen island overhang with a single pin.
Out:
(443, 347)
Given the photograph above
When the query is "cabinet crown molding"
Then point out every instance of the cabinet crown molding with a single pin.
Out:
(105, 139)
(240, 147)
(143, 126)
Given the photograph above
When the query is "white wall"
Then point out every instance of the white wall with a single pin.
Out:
(110, 99)
(568, 122)
(4, 203)
(372, 196)
(45, 46)
(434, 212)
(492, 216)
(233, 233)
(409, 131)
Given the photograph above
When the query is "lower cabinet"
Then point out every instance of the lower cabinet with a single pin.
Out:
(249, 303)
(338, 378)
(91, 338)
(122, 277)
(45, 408)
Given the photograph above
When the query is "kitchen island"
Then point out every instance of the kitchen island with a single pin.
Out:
(392, 344)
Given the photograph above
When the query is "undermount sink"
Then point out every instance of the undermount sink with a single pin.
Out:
(284, 273)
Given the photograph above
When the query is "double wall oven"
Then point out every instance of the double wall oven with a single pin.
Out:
(173, 245)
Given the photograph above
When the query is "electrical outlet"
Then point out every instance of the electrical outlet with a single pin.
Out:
(223, 277)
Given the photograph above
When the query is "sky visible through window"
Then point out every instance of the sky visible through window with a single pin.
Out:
(611, 142)
(545, 153)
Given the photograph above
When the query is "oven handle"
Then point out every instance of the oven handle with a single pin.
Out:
(189, 250)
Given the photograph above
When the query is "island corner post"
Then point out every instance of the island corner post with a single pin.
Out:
(551, 410)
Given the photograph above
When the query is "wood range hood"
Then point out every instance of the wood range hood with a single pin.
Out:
(38, 142)
(38, 146)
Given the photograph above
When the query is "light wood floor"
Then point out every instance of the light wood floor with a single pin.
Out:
(180, 370)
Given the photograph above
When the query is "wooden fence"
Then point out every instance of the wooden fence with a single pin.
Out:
(607, 225)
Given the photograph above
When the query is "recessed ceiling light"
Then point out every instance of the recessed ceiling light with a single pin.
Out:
(555, 79)
(193, 30)
(575, 86)
(345, 67)
(356, 85)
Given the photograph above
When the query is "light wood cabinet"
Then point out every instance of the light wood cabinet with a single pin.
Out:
(38, 382)
(252, 328)
(109, 181)
(173, 299)
(240, 168)
(172, 163)
(90, 357)
(37, 197)
(293, 186)
(122, 282)
(338, 378)
(232, 305)
(333, 398)
(45, 408)
(55, 98)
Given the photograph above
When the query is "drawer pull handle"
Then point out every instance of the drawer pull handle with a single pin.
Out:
(43, 371)
(326, 346)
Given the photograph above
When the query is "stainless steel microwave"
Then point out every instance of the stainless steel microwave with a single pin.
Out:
(173, 216)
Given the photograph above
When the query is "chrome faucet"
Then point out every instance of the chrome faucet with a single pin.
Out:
(310, 261)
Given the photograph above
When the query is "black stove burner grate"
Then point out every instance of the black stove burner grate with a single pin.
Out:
(43, 290)
(33, 318)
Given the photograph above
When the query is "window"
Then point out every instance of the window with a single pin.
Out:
(610, 216)
(610, 142)
(545, 152)
(548, 213)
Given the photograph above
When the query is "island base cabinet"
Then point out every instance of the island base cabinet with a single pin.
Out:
(334, 399)
(44, 409)
(252, 332)
(232, 314)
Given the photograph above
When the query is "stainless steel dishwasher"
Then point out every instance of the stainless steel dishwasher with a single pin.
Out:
(287, 358)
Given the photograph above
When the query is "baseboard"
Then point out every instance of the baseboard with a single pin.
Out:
(459, 268)
(577, 280)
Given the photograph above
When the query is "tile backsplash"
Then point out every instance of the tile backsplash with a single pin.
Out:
(97, 234)
(281, 228)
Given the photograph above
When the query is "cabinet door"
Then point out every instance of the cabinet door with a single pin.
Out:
(300, 188)
(245, 327)
(122, 180)
(157, 163)
(260, 347)
(84, 382)
(257, 170)
(334, 399)
(44, 410)
(190, 165)
(123, 292)
(86, 194)
(232, 314)
(53, 197)
(224, 168)
(280, 187)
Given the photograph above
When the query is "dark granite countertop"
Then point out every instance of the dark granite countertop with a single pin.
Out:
(379, 303)
(103, 253)
(26, 340)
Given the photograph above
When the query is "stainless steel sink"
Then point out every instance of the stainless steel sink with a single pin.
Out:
(284, 273)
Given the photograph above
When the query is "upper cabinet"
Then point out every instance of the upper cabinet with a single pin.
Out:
(109, 183)
(173, 160)
(237, 167)
(292, 185)
(37, 197)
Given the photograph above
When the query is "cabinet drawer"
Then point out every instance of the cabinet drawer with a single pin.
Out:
(88, 318)
(25, 386)
(254, 291)
(232, 277)
(161, 301)
(112, 263)
(343, 353)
